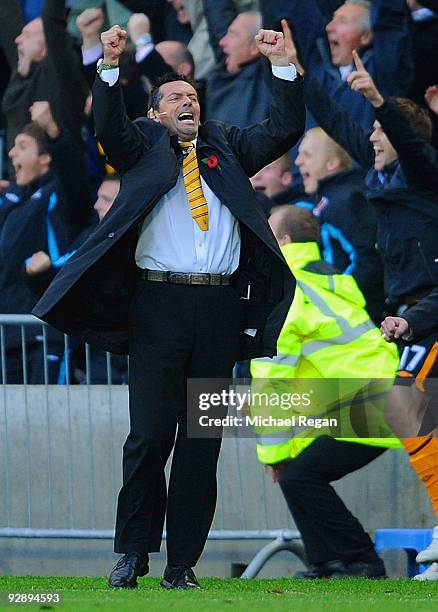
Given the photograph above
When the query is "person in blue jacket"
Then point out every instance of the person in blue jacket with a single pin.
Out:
(41, 214)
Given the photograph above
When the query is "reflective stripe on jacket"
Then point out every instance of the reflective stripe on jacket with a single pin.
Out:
(329, 338)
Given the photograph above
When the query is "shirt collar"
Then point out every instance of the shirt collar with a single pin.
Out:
(422, 14)
(345, 71)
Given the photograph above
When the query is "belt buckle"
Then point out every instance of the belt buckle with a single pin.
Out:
(178, 278)
(199, 279)
(154, 275)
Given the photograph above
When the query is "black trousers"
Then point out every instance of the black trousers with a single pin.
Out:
(176, 332)
(328, 528)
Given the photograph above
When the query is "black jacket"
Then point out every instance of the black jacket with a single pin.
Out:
(43, 216)
(423, 317)
(425, 51)
(242, 97)
(90, 297)
(57, 78)
(348, 229)
(404, 195)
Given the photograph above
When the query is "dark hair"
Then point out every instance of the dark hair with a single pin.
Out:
(38, 134)
(418, 117)
(298, 223)
(155, 95)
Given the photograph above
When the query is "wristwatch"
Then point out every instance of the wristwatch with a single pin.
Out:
(101, 66)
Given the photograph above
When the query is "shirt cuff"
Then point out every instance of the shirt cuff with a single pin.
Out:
(287, 73)
(143, 51)
(110, 76)
(90, 56)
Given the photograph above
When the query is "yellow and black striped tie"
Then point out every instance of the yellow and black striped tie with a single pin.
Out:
(192, 182)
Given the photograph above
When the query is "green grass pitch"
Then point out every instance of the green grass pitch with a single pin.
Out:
(285, 594)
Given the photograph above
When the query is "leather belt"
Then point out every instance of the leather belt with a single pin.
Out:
(185, 278)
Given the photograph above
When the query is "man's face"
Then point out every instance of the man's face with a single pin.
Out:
(313, 156)
(345, 33)
(179, 109)
(28, 163)
(31, 43)
(238, 43)
(272, 179)
(384, 152)
(106, 195)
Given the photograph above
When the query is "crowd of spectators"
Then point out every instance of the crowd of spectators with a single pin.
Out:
(367, 166)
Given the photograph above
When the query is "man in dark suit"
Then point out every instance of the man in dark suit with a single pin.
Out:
(163, 277)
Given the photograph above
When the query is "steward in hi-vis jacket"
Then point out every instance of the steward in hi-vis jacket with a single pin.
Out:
(334, 368)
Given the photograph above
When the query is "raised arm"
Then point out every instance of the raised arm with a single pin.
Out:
(66, 64)
(149, 61)
(338, 123)
(120, 138)
(418, 158)
(328, 113)
(69, 167)
(392, 44)
(11, 24)
(260, 144)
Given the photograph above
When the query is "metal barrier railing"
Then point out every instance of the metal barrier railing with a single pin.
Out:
(35, 350)
(57, 448)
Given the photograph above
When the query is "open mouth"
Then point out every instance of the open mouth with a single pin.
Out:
(334, 45)
(379, 155)
(305, 176)
(186, 117)
(18, 168)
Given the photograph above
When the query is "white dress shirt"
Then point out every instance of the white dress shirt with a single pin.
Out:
(171, 240)
(345, 71)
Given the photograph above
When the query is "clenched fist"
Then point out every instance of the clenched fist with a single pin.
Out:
(41, 114)
(394, 328)
(89, 24)
(114, 43)
(271, 45)
(39, 262)
(138, 25)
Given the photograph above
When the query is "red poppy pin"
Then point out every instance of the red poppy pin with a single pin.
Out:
(212, 162)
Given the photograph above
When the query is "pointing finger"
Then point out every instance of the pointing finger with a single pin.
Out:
(357, 61)
(286, 30)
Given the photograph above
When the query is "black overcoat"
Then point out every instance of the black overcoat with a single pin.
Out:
(90, 296)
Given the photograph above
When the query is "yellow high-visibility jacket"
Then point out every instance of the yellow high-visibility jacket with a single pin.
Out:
(329, 338)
